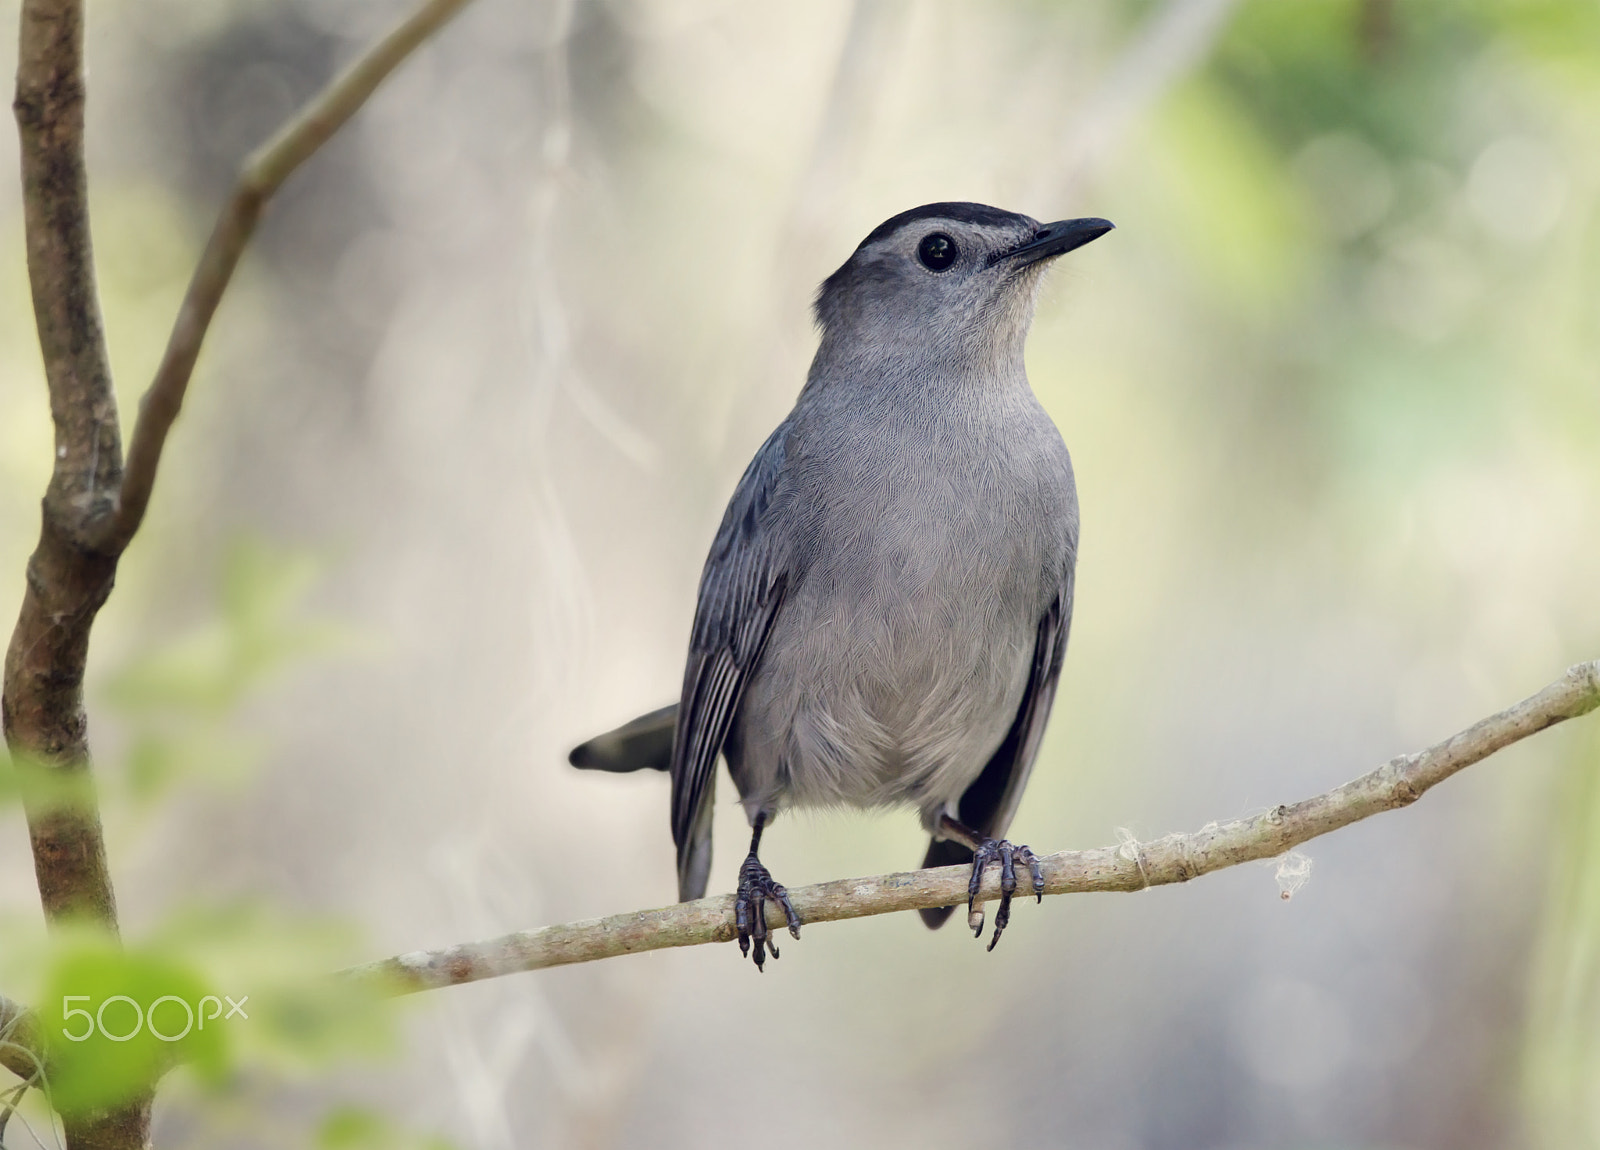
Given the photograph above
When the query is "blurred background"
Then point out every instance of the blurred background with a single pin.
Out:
(469, 416)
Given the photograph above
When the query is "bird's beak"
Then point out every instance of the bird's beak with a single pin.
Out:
(1055, 239)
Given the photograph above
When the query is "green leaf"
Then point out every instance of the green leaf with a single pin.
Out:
(115, 1020)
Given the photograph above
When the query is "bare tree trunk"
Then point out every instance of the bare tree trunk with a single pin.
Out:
(93, 508)
(71, 573)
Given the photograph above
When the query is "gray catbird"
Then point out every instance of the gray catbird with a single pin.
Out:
(884, 610)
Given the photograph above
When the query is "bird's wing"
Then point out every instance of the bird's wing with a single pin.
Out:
(740, 594)
(991, 800)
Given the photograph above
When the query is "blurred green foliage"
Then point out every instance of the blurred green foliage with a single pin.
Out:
(116, 1018)
(180, 698)
(1448, 155)
(350, 1129)
(222, 992)
(1561, 1062)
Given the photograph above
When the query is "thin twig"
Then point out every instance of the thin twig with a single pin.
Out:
(21, 1046)
(1175, 858)
(262, 175)
(1170, 44)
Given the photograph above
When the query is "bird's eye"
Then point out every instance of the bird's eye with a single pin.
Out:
(937, 251)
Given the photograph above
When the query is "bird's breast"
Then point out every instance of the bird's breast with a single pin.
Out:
(903, 648)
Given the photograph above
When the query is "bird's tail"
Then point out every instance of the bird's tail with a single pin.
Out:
(942, 852)
(644, 744)
(694, 856)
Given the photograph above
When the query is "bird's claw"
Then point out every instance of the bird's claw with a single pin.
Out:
(1008, 854)
(750, 910)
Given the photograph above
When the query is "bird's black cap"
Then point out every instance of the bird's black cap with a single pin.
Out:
(959, 211)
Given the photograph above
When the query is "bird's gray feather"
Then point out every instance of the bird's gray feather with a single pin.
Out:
(645, 744)
(990, 803)
(882, 615)
(741, 591)
(906, 646)
(1007, 772)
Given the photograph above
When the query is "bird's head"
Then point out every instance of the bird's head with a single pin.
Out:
(945, 280)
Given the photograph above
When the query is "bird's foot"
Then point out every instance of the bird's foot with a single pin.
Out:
(750, 910)
(1008, 855)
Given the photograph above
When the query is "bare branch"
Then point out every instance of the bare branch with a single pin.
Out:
(1175, 858)
(263, 173)
(49, 111)
(1171, 44)
(875, 26)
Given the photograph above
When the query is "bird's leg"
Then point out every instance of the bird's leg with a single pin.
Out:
(750, 904)
(984, 851)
